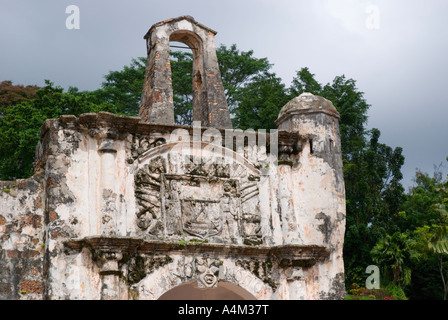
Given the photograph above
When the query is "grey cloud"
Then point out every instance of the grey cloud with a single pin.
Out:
(401, 67)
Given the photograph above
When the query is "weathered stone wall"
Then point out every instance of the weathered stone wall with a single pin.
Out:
(121, 209)
(21, 240)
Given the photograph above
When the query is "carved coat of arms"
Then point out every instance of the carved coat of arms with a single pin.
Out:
(197, 199)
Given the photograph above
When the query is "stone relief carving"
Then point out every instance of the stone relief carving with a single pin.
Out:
(251, 219)
(198, 199)
(148, 182)
(203, 268)
(201, 218)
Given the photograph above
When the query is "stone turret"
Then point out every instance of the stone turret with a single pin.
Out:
(316, 181)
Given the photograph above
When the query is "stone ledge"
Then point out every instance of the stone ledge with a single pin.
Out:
(134, 125)
(308, 254)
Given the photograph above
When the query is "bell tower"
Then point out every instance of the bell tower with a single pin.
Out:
(209, 102)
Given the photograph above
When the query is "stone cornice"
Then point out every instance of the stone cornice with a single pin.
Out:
(299, 254)
(134, 125)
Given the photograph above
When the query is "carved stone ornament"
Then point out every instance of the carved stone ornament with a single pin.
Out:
(207, 272)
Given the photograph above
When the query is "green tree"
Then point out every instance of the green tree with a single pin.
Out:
(353, 108)
(304, 82)
(239, 72)
(439, 241)
(347, 99)
(430, 274)
(13, 94)
(423, 218)
(420, 205)
(260, 103)
(182, 69)
(394, 253)
(19, 135)
(120, 93)
(20, 125)
(240, 69)
(123, 88)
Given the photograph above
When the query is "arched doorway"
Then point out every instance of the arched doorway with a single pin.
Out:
(191, 291)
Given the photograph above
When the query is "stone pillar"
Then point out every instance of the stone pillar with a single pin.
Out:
(286, 205)
(110, 274)
(108, 208)
(157, 97)
(213, 110)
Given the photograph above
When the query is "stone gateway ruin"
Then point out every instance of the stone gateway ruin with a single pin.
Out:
(141, 208)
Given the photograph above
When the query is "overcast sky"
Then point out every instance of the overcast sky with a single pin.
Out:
(396, 50)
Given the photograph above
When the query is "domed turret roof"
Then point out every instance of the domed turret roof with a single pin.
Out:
(308, 102)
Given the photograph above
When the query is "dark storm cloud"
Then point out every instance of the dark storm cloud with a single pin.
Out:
(401, 66)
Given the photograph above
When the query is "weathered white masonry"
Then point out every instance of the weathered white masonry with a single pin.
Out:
(140, 208)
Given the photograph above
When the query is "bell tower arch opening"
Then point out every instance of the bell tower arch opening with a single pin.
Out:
(187, 100)
(181, 60)
(191, 291)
